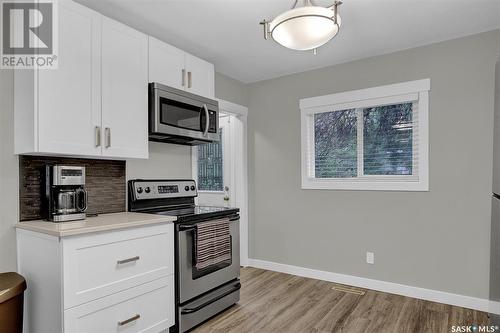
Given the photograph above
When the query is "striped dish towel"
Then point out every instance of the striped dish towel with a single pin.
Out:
(212, 243)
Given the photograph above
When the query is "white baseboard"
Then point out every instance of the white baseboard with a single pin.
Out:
(388, 287)
(494, 307)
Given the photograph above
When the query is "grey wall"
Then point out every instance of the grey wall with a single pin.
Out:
(8, 174)
(495, 221)
(437, 239)
(165, 161)
(230, 89)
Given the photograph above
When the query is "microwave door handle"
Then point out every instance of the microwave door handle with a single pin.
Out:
(207, 120)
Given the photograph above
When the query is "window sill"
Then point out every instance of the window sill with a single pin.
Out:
(314, 184)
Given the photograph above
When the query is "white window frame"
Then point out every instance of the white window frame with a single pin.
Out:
(411, 91)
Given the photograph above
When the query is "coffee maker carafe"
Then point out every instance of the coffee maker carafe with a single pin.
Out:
(65, 197)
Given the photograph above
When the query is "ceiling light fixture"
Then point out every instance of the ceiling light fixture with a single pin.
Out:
(306, 27)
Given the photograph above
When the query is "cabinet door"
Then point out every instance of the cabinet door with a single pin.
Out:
(146, 308)
(166, 64)
(69, 98)
(102, 264)
(124, 91)
(200, 76)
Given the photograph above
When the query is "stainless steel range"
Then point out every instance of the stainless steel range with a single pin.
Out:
(203, 292)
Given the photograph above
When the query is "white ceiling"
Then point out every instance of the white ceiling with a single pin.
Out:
(227, 33)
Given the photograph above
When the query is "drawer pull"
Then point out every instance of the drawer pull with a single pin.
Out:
(125, 261)
(127, 321)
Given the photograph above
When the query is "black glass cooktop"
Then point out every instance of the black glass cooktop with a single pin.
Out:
(197, 212)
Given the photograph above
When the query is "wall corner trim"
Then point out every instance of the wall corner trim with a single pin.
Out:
(388, 287)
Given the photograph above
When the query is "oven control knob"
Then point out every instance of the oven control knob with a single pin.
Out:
(147, 190)
(193, 188)
(186, 188)
(139, 190)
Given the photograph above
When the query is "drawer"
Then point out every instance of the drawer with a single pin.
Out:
(146, 308)
(102, 264)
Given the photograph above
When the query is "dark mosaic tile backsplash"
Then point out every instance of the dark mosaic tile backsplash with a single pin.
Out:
(105, 182)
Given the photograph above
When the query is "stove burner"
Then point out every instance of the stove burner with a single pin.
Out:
(197, 212)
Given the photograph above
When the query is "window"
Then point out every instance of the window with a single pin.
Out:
(370, 139)
(335, 146)
(210, 166)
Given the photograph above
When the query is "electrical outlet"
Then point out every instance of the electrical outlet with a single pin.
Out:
(370, 258)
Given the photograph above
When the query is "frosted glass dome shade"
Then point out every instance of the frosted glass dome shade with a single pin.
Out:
(305, 28)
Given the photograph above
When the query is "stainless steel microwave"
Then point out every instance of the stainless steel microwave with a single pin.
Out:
(177, 116)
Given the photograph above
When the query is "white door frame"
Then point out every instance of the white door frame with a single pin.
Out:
(239, 172)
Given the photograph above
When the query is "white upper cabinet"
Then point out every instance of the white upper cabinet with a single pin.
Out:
(200, 76)
(124, 91)
(166, 64)
(173, 67)
(57, 111)
(69, 107)
(95, 103)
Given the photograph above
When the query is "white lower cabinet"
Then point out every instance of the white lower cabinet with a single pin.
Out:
(115, 281)
(146, 308)
(103, 264)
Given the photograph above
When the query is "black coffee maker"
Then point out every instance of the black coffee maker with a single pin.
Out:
(65, 197)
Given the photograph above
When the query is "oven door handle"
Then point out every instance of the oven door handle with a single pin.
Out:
(201, 306)
(190, 227)
(186, 227)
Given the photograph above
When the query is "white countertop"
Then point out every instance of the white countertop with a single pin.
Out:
(104, 222)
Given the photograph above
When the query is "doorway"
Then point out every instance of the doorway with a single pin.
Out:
(213, 168)
(220, 168)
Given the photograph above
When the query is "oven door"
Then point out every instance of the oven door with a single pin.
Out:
(193, 283)
(174, 112)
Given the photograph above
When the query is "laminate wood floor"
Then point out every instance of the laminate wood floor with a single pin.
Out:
(277, 302)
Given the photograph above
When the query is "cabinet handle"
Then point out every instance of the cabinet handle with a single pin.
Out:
(131, 319)
(124, 261)
(97, 133)
(183, 77)
(190, 80)
(108, 137)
